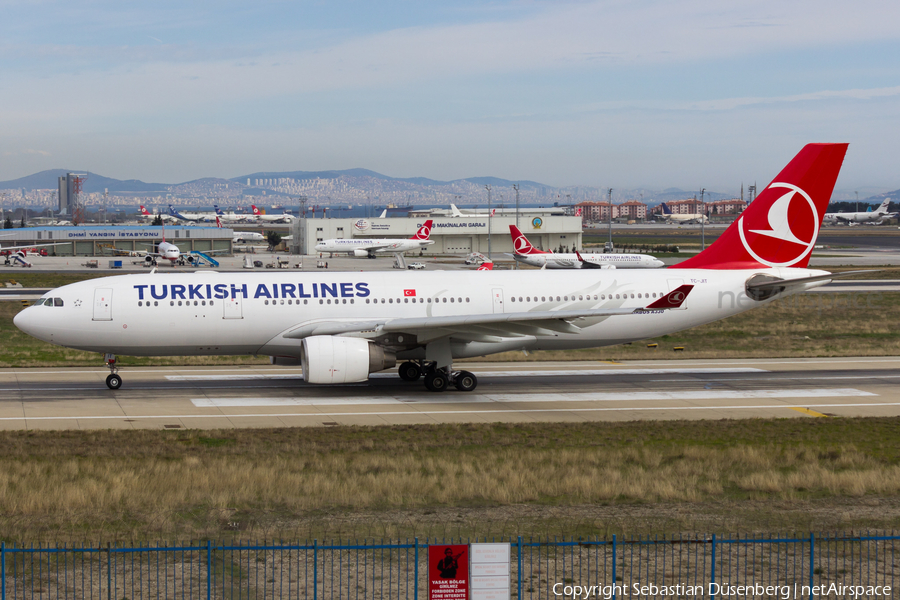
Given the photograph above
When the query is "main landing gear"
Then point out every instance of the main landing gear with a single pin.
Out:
(438, 379)
(113, 382)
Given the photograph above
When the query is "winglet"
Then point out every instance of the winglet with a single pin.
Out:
(673, 299)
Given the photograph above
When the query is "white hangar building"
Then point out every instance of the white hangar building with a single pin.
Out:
(452, 235)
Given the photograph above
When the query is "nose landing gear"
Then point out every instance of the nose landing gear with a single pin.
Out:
(113, 382)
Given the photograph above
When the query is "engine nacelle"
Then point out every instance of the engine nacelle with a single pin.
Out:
(333, 359)
(360, 253)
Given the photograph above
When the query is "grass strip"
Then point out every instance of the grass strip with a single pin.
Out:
(501, 479)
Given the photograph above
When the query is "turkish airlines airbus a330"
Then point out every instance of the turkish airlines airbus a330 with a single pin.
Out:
(343, 326)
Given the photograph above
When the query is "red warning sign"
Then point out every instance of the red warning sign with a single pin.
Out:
(448, 572)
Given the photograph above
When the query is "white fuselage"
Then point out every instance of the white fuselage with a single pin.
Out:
(858, 217)
(685, 219)
(248, 236)
(371, 245)
(248, 313)
(570, 261)
(168, 251)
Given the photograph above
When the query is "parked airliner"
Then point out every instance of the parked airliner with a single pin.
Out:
(261, 216)
(671, 217)
(341, 326)
(524, 252)
(870, 216)
(368, 247)
(146, 214)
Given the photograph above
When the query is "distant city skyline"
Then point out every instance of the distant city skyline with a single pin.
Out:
(644, 94)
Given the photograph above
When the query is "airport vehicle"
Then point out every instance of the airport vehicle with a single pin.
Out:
(870, 216)
(280, 218)
(341, 326)
(524, 252)
(146, 214)
(685, 219)
(368, 247)
(415, 266)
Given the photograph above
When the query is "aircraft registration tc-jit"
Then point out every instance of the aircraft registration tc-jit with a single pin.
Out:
(363, 247)
(524, 252)
(342, 326)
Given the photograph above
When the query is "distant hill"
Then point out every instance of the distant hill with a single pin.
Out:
(48, 180)
(424, 181)
(355, 183)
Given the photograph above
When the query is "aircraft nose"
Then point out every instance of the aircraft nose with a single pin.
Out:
(26, 320)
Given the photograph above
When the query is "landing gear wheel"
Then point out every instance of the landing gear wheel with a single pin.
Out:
(436, 381)
(465, 381)
(409, 371)
(114, 382)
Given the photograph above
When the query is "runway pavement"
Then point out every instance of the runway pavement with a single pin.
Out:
(227, 397)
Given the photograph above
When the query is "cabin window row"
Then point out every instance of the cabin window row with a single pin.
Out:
(179, 303)
(414, 300)
(620, 296)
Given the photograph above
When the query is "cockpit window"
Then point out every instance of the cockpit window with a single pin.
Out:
(57, 302)
(40, 301)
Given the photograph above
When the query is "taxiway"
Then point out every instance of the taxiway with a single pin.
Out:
(226, 397)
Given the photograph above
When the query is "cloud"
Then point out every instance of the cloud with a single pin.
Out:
(27, 152)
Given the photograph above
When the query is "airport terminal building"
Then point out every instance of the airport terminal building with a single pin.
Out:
(452, 235)
(99, 241)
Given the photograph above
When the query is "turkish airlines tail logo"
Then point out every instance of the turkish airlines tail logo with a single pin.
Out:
(424, 231)
(144, 211)
(780, 227)
(255, 210)
(521, 245)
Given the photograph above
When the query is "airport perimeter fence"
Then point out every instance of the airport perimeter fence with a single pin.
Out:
(638, 567)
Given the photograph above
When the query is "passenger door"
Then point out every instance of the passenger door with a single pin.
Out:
(103, 304)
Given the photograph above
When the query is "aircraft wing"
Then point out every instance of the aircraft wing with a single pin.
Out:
(32, 246)
(502, 324)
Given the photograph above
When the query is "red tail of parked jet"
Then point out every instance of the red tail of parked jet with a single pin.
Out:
(521, 245)
(780, 227)
(424, 231)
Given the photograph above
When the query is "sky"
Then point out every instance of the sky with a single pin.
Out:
(625, 94)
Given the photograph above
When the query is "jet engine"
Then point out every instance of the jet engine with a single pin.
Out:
(360, 253)
(333, 359)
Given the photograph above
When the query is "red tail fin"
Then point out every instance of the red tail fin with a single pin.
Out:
(424, 231)
(521, 245)
(780, 227)
(486, 266)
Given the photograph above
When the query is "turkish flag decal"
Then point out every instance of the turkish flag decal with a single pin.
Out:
(409, 293)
